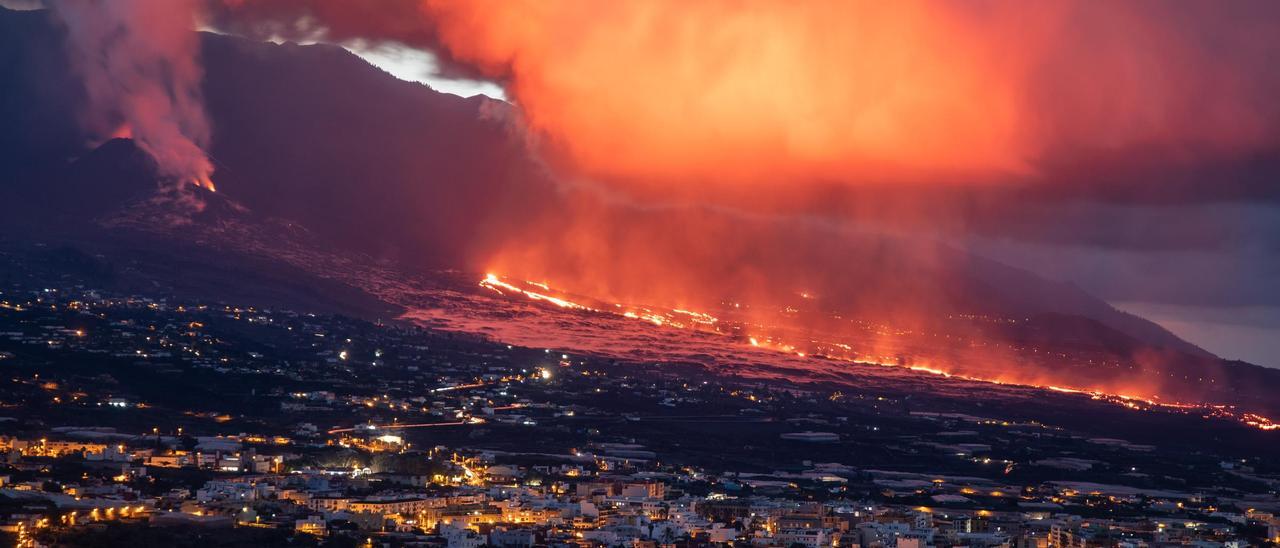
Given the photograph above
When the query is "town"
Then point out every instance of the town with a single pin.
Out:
(136, 420)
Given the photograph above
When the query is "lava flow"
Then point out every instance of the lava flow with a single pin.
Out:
(493, 282)
(752, 333)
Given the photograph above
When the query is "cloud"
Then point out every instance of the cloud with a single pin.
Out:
(722, 93)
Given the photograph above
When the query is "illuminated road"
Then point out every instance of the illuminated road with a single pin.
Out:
(398, 426)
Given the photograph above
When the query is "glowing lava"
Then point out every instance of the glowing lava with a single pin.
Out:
(492, 282)
(707, 323)
(204, 182)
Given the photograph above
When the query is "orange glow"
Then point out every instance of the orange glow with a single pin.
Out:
(124, 131)
(779, 93)
(1259, 421)
(799, 90)
(680, 95)
(204, 182)
(493, 282)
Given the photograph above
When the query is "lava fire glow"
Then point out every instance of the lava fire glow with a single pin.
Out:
(738, 333)
(493, 282)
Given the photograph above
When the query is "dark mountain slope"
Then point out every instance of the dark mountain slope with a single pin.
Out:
(317, 135)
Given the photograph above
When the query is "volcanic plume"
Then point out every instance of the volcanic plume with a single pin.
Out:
(139, 63)
(680, 95)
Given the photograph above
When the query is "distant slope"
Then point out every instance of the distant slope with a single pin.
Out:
(1034, 295)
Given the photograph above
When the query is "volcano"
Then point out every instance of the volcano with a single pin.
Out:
(344, 189)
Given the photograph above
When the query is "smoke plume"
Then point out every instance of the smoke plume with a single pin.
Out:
(140, 66)
(720, 93)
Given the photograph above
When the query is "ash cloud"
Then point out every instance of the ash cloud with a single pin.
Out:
(697, 99)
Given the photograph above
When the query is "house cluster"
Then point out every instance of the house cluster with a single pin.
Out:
(473, 499)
